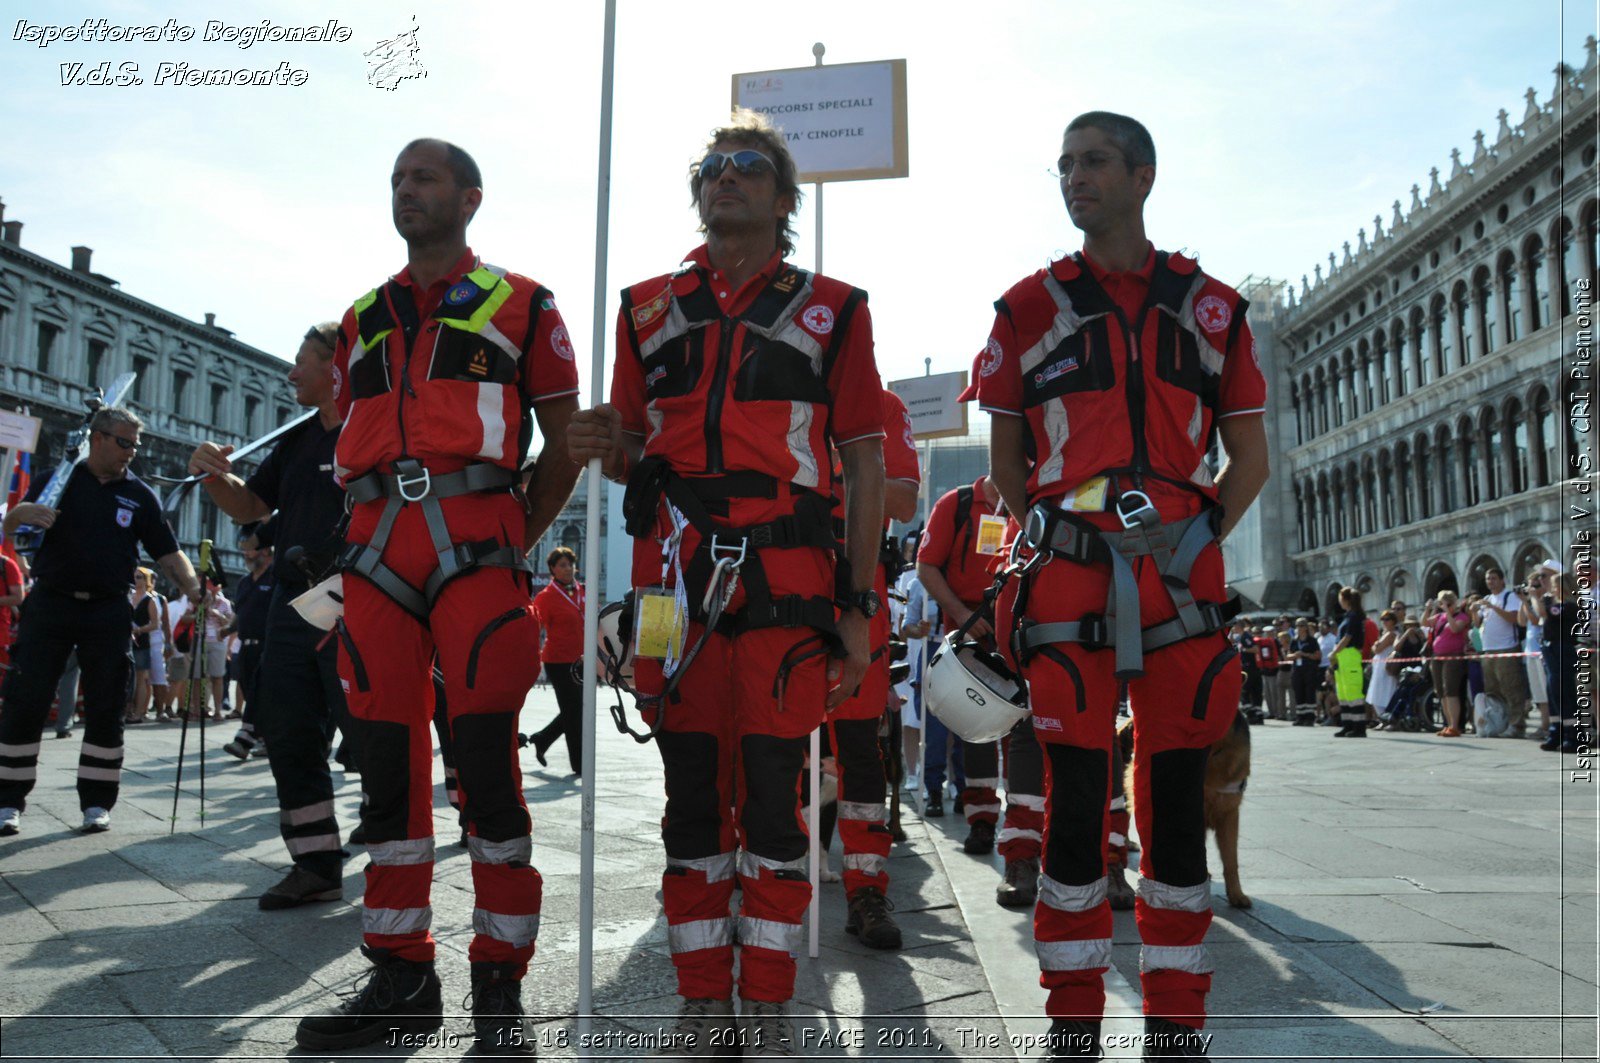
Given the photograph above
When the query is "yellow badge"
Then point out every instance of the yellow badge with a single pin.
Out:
(479, 366)
(643, 315)
(1087, 497)
(991, 534)
(658, 626)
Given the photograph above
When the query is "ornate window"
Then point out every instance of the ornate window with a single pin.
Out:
(1511, 293)
(1538, 278)
(1486, 323)
(1546, 458)
(1471, 481)
(48, 334)
(1493, 455)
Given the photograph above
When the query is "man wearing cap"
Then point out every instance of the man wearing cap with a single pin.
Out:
(1106, 375)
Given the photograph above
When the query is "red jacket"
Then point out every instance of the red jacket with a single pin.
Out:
(761, 379)
(448, 374)
(1121, 373)
(950, 544)
(560, 615)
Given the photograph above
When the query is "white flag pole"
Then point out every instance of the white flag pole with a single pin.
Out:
(592, 590)
(815, 826)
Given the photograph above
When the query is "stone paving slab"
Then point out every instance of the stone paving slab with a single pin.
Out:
(1388, 876)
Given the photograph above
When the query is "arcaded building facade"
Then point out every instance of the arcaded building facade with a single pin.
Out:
(1430, 404)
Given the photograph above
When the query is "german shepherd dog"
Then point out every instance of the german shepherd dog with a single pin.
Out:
(1227, 770)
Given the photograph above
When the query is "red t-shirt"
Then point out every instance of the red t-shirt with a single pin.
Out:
(956, 555)
(560, 615)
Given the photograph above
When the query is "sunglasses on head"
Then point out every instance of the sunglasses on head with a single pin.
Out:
(746, 162)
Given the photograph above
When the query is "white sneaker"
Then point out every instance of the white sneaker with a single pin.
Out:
(96, 820)
(704, 1028)
(913, 783)
(10, 821)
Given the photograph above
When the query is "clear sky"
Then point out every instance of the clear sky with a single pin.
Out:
(1280, 128)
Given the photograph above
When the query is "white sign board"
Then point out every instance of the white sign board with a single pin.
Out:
(18, 431)
(845, 122)
(934, 403)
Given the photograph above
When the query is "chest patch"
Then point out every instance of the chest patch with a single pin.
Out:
(124, 517)
(818, 319)
(1050, 372)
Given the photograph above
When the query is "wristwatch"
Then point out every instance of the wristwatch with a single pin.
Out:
(865, 602)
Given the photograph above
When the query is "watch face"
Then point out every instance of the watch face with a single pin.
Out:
(868, 601)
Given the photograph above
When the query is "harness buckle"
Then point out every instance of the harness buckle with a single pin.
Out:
(407, 478)
(729, 552)
(1135, 510)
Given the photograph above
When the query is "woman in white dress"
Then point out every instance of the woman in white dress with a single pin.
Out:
(1380, 684)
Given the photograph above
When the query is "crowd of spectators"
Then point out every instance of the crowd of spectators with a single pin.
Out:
(1483, 658)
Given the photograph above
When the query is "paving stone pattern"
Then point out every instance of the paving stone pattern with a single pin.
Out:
(1414, 898)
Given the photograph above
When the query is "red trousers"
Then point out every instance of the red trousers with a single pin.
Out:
(1182, 704)
(487, 642)
(732, 746)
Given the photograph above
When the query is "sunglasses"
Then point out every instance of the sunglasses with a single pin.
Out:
(125, 444)
(746, 163)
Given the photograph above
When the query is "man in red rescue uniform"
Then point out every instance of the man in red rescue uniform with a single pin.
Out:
(1105, 375)
(957, 562)
(440, 374)
(853, 726)
(733, 377)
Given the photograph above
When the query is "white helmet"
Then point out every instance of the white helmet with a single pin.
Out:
(616, 643)
(972, 690)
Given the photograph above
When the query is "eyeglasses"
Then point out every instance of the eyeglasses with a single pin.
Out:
(1091, 162)
(125, 444)
(746, 163)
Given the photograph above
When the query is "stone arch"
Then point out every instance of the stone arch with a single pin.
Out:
(1475, 582)
(1307, 602)
(1402, 587)
(1526, 558)
(1330, 600)
(1440, 577)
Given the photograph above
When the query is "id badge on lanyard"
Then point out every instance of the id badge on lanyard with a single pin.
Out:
(659, 624)
(991, 535)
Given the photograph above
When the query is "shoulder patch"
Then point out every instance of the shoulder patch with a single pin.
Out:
(1212, 313)
(990, 360)
(562, 343)
(647, 312)
(1181, 264)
